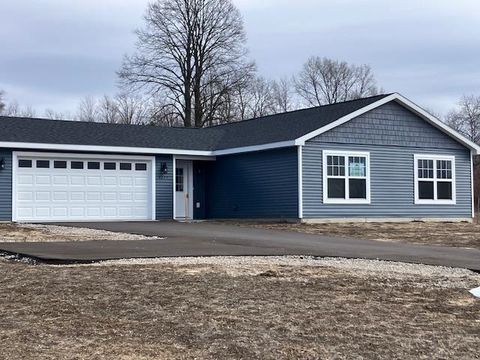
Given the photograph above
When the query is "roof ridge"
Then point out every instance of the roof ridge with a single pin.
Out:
(299, 110)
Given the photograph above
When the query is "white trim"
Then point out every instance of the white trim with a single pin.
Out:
(89, 156)
(300, 182)
(173, 187)
(405, 103)
(14, 186)
(434, 157)
(100, 148)
(153, 188)
(472, 184)
(326, 199)
(82, 156)
(244, 149)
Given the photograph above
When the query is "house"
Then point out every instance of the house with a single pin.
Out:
(381, 157)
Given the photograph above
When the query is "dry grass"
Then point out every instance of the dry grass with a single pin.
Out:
(461, 234)
(160, 311)
(16, 232)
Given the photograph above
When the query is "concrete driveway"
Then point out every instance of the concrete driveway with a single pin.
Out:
(211, 239)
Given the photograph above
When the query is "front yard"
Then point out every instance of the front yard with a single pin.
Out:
(461, 234)
(248, 308)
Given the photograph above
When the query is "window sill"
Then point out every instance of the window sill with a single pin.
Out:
(435, 202)
(347, 201)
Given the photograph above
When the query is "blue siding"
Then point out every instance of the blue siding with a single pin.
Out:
(254, 185)
(392, 166)
(6, 186)
(199, 183)
(164, 188)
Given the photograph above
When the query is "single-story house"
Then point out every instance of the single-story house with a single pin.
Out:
(381, 157)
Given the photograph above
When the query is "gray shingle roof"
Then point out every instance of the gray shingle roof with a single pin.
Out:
(264, 130)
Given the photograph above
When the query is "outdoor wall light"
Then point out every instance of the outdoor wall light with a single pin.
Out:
(163, 168)
(2, 163)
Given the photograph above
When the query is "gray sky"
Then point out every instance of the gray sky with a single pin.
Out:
(55, 52)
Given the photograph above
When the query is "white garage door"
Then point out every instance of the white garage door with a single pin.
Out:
(49, 187)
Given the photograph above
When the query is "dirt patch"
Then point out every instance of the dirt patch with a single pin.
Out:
(461, 234)
(270, 309)
(12, 232)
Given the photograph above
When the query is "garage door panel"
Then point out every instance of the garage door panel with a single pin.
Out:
(63, 193)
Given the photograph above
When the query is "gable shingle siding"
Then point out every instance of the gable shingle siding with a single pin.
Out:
(384, 132)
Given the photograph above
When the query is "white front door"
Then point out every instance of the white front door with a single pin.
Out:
(184, 190)
(61, 187)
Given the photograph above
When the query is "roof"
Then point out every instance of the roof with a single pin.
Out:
(291, 128)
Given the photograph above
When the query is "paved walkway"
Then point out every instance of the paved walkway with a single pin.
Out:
(207, 239)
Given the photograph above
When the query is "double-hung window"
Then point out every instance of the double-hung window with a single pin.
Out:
(434, 179)
(346, 177)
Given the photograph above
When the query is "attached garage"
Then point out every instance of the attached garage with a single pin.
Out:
(59, 187)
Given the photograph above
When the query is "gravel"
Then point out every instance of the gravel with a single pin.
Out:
(49, 233)
(438, 276)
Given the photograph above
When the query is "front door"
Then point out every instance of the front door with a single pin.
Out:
(183, 190)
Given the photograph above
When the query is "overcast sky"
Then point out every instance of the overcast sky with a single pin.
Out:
(55, 52)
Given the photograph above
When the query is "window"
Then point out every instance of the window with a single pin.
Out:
(93, 165)
(109, 166)
(76, 165)
(141, 167)
(434, 179)
(59, 164)
(346, 177)
(179, 179)
(43, 164)
(25, 163)
(125, 166)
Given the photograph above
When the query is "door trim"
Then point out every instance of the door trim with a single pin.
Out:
(190, 188)
(49, 154)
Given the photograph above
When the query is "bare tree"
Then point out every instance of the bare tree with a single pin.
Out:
(14, 109)
(193, 53)
(325, 81)
(466, 119)
(282, 94)
(131, 110)
(2, 101)
(107, 110)
(87, 110)
(55, 115)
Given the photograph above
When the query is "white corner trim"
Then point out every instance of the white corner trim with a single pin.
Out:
(405, 103)
(472, 184)
(326, 199)
(153, 187)
(174, 177)
(300, 183)
(434, 157)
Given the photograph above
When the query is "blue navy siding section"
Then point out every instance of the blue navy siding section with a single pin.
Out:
(6, 186)
(392, 166)
(164, 188)
(199, 181)
(254, 185)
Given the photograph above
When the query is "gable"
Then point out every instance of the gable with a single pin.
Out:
(390, 124)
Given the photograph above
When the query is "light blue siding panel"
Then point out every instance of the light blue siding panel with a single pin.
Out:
(164, 188)
(254, 185)
(392, 167)
(6, 186)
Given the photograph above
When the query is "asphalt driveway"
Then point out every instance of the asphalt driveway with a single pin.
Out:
(212, 239)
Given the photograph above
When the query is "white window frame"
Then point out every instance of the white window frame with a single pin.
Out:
(347, 200)
(435, 201)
